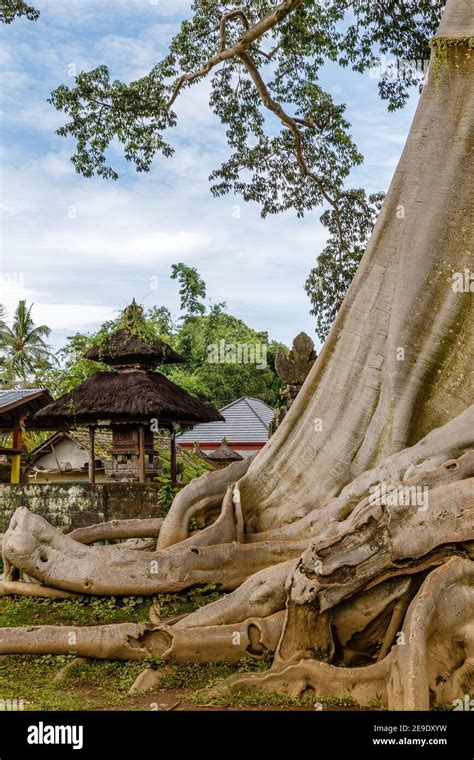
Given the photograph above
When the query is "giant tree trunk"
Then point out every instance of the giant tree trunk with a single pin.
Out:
(345, 584)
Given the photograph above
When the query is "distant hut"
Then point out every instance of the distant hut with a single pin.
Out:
(133, 399)
(17, 407)
(224, 455)
(198, 452)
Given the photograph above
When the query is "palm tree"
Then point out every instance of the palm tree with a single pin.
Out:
(3, 373)
(23, 346)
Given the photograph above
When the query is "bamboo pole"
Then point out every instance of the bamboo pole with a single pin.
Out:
(91, 455)
(15, 473)
(173, 467)
(141, 454)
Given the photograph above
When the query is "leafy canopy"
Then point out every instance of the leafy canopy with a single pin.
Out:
(198, 335)
(329, 280)
(23, 346)
(192, 288)
(13, 9)
(289, 143)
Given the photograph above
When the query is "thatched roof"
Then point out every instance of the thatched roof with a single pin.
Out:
(135, 397)
(198, 452)
(124, 348)
(224, 454)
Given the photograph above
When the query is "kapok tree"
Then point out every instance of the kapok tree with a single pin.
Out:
(347, 544)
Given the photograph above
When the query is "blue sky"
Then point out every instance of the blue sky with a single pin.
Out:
(81, 249)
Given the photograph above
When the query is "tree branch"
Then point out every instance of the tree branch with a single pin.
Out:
(242, 44)
(223, 25)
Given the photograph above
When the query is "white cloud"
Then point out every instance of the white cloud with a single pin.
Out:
(86, 247)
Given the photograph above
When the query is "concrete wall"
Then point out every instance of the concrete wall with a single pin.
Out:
(74, 505)
(68, 453)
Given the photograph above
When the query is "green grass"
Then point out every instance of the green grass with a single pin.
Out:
(103, 684)
(97, 610)
(99, 684)
(202, 675)
(85, 610)
(180, 604)
(258, 698)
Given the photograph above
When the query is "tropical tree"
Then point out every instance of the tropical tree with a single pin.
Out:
(13, 9)
(289, 142)
(329, 280)
(24, 346)
(225, 358)
(347, 543)
(192, 289)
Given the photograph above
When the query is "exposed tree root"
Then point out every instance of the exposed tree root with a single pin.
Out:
(253, 637)
(35, 547)
(324, 569)
(118, 529)
(120, 641)
(130, 641)
(261, 595)
(435, 657)
(203, 495)
(19, 588)
(295, 679)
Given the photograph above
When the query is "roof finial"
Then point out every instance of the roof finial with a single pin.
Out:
(133, 312)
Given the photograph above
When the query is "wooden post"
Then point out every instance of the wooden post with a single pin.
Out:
(15, 474)
(141, 454)
(173, 456)
(91, 455)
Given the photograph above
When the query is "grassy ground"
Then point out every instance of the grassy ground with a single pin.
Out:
(104, 685)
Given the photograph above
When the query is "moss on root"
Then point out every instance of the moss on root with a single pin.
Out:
(441, 46)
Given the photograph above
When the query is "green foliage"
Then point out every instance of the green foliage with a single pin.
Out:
(196, 337)
(289, 56)
(162, 321)
(172, 605)
(23, 347)
(376, 703)
(12, 9)
(192, 288)
(167, 491)
(95, 685)
(258, 698)
(289, 143)
(73, 368)
(329, 280)
(83, 610)
(101, 110)
(210, 372)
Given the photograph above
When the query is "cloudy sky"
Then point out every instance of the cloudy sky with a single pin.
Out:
(81, 249)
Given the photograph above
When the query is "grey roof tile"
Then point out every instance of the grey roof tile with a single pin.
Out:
(246, 420)
(11, 395)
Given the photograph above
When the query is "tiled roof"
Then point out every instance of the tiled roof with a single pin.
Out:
(21, 402)
(246, 420)
(12, 395)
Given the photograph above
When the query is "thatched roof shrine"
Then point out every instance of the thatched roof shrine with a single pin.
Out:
(132, 398)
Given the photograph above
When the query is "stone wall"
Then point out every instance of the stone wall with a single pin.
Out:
(74, 505)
